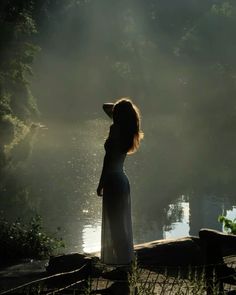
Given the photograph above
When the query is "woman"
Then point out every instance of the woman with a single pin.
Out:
(124, 138)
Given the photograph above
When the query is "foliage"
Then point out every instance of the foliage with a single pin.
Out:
(19, 130)
(229, 225)
(224, 9)
(22, 24)
(20, 240)
(17, 51)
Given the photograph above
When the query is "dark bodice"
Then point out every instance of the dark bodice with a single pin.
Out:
(115, 157)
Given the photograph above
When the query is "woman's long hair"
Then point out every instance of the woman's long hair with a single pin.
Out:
(127, 116)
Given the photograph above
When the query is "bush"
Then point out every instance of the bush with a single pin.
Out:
(229, 225)
(20, 240)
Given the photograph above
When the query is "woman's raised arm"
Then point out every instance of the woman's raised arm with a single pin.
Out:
(108, 107)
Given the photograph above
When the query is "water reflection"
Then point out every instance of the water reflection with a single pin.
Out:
(204, 212)
(92, 238)
(181, 227)
(177, 229)
(231, 214)
(169, 198)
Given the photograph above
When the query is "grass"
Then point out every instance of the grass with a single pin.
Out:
(140, 282)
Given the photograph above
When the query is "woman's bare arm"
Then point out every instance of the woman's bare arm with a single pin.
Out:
(101, 181)
(111, 146)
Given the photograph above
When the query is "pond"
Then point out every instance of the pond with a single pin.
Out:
(169, 199)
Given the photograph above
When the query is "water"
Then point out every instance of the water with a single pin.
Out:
(63, 172)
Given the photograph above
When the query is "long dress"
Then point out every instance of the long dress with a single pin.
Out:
(117, 236)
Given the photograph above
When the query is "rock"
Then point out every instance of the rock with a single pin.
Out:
(21, 273)
(69, 262)
(175, 252)
(118, 273)
(217, 245)
(222, 243)
(117, 288)
(71, 268)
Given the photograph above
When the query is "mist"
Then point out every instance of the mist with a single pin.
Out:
(176, 61)
(100, 51)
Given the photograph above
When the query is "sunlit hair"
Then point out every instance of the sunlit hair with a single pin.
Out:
(127, 116)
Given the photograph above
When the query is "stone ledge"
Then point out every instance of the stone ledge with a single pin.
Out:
(174, 252)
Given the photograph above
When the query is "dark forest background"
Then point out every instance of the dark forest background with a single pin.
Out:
(176, 58)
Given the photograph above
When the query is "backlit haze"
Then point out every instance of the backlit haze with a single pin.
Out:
(175, 60)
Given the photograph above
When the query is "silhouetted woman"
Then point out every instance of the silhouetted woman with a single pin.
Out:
(124, 138)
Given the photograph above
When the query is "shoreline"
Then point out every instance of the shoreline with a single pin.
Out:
(176, 253)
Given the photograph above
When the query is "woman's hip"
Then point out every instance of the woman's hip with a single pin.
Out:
(116, 183)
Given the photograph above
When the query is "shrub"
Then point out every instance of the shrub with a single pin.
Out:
(229, 225)
(20, 240)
